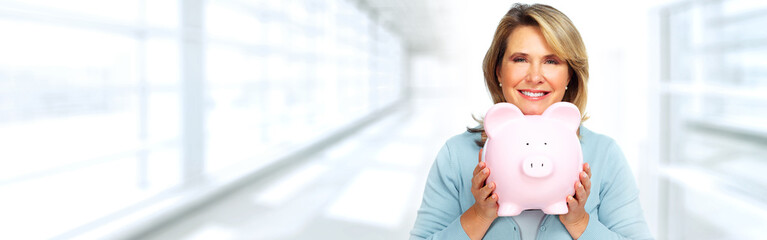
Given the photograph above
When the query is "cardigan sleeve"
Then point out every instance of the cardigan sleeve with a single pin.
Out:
(620, 215)
(440, 212)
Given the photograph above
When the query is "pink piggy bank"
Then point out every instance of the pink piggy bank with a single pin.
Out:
(534, 160)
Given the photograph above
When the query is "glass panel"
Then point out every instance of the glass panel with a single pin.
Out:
(72, 92)
(233, 123)
(162, 13)
(88, 117)
(225, 20)
(124, 11)
(715, 119)
(72, 128)
(283, 78)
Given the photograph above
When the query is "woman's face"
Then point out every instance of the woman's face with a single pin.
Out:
(532, 76)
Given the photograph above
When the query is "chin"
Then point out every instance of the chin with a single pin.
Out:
(533, 111)
(531, 107)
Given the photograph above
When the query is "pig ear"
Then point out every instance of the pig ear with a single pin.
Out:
(566, 112)
(500, 114)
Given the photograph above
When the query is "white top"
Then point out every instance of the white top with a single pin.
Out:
(529, 221)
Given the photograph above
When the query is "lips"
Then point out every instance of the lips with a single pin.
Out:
(533, 94)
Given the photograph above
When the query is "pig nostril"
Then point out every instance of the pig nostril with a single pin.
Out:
(527, 143)
(544, 144)
(531, 165)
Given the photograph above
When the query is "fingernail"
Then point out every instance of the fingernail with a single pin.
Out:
(580, 185)
(492, 185)
(583, 174)
(587, 166)
(484, 171)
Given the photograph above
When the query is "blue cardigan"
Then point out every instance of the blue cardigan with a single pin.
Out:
(613, 205)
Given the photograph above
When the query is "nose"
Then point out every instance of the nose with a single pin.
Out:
(537, 166)
(534, 73)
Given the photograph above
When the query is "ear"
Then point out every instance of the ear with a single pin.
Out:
(565, 112)
(500, 114)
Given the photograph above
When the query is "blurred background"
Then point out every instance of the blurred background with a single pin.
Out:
(300, 119)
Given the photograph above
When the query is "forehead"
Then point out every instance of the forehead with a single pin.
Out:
(529, 40)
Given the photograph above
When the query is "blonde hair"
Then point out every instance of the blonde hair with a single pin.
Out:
(560, 34)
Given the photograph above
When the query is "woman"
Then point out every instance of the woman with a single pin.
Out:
(537, 58)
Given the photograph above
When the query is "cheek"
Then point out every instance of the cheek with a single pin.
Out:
(511, 74)
(557, 76)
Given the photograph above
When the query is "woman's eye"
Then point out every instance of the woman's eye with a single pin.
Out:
(518, 60)
(551, 61)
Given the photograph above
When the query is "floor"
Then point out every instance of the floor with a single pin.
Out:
(367, 186)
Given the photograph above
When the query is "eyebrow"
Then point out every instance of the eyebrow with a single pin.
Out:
(525, 54)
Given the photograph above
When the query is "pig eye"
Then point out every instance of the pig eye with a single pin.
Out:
(544, 143)
(527, 143)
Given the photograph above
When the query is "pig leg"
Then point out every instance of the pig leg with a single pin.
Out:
(556, 208)
(509, 209)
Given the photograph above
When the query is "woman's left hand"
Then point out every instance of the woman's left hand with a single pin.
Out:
(577, 218)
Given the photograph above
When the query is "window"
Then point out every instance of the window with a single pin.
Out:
(93, 97)
(713, 110)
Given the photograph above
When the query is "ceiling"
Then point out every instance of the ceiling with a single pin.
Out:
(420, 23)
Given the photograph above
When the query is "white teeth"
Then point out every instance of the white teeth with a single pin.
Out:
(532, 94)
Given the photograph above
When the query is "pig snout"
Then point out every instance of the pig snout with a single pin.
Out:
(537, 166)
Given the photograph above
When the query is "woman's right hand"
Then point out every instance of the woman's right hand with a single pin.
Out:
(485, 199)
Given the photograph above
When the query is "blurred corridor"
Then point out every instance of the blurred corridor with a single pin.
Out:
(365, 187)
(302, 119)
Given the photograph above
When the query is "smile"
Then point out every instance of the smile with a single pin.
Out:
(533, 94)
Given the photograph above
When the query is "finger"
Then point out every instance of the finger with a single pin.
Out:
(492, 200)
(586, 181)
(474, 181)
(571, 203)
(479, 159)
(477, 168)
(487, 191)
(580, 192)
(587, 169)
(479, 179)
